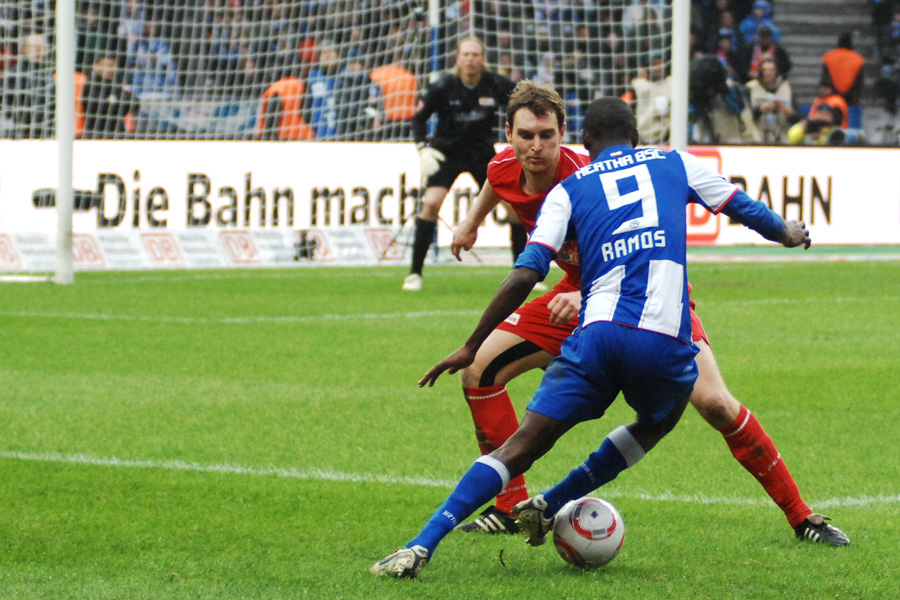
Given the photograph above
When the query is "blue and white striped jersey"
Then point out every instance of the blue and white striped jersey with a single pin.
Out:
(626, 210)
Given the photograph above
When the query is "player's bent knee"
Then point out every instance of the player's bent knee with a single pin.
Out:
(470, 377)
(431, 203)
(429, 213)
(717, 406)
(648, 433)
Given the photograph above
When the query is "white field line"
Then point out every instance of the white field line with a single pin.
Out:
(722, 259)
(238, 320)
(354, 317)
(326, 475)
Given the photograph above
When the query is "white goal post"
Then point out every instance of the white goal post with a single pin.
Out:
(321, 71)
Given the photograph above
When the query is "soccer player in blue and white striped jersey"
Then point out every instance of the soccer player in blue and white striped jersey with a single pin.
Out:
(626, 210)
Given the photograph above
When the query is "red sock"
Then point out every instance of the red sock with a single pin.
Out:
(495, 421)
(753, 448)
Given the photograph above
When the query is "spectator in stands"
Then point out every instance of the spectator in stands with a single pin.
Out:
(398, 98)
(29, 91)
(356, 98)
(842, 67)
(546, 69)
(8, 56)
(697, 42)
(322, 95)
(887, 86)
(895, 34)
(93, 35)
(506, 66)
(707, 15)
(639, 14)
(760, 15)
(281, 111)
(830, 98)
(615, 66)
(80, 83)
(248, 81)
(221, 48)
(645, 33)
(822, 127)
(772, 101)
(652, 98)
(108, 104)
(724, 51)
(726, 27)
(355, 44)
(883, 20)
(274, 43)
(154, 70)
(548, 10)
(131, 28)
(720, 109)
(753, 54)
(587, 46)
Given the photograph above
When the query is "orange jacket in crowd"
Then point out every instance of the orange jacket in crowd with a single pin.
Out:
(80, 81)
(844, 65)
(398, 91)
(291, 126)
(835, 101)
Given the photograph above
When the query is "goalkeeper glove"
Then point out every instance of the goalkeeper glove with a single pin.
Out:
(430, 160)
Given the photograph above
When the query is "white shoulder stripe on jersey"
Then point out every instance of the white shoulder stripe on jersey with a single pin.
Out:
(713, 189)
(553, 220)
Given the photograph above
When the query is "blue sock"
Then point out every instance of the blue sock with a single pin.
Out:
(617, 452)
(484, 480)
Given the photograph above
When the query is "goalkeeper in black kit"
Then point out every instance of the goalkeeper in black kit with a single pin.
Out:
(467, 101)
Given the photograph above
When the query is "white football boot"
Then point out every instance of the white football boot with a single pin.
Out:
(405, 562)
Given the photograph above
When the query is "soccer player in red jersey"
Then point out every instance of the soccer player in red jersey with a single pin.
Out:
(522, 175)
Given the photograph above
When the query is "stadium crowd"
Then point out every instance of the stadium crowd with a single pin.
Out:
(342, 70)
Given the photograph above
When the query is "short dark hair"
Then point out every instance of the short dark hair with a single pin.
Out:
(845, 40)
(610, 118)
(538, 98)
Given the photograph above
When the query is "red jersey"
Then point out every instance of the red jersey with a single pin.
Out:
(505, 176)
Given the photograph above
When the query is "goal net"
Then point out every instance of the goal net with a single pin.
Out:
(210, 69)
(321, 70)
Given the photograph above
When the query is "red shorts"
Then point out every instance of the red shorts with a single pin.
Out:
(697, 332)
(532, 322)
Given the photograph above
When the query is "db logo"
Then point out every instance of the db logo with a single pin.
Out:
(384, 244)
(702, 225)
(240, 247)
(9, 257)
(86, 252)
(162, 249)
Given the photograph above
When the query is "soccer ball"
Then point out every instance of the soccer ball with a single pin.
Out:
(588, 532)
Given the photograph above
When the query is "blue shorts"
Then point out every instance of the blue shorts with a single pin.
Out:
(654, 372)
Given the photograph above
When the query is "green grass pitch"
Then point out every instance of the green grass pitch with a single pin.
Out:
(259, 434)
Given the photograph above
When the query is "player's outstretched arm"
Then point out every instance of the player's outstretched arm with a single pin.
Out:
(766, 222)
(466, 233)
(512, 293)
